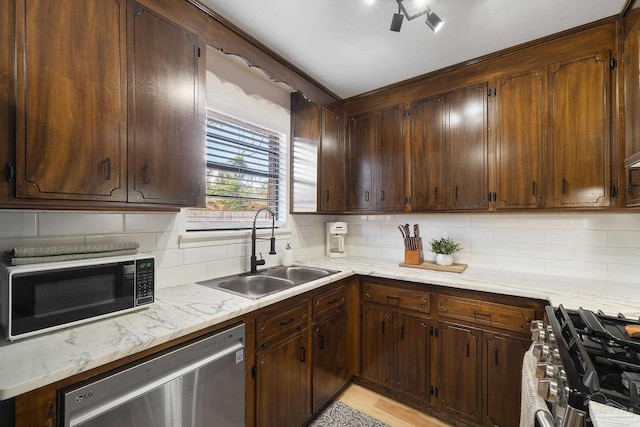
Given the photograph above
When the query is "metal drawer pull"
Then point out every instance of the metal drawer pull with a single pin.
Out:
(333, 301)
(288, 322)
(303, 354)
(477, 313)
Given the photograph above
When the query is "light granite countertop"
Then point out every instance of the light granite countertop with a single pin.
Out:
(31, 363)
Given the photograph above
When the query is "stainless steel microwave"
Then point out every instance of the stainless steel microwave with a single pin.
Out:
(39, 298)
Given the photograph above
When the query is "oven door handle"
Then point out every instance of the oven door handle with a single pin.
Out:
(544, 419)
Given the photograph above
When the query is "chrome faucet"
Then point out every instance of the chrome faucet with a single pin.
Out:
(255, 262)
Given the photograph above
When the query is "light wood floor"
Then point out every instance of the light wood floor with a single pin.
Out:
(386, 410)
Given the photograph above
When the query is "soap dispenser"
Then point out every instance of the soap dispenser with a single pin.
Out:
(287, 258)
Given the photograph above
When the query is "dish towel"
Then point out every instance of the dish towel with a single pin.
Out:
(531, 403)
(40, 254)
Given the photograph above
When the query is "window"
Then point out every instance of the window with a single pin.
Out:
(245, 171)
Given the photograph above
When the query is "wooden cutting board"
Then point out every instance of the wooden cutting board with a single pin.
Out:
(430, 265)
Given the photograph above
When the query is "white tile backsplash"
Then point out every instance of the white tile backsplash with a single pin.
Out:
(594, 245)
(598, 245)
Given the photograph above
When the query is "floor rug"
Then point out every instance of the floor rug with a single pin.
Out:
(340, 415)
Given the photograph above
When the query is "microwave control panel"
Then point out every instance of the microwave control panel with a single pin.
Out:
(144, 281)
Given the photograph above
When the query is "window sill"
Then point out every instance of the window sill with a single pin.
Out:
(217, 238)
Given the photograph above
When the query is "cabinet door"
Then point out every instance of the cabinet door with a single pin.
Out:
(632, 94)
(428, 138)
(7, 100)
(633, 187)
(377, 344)
(389, 159)
(467, 149)
(71, 92)
(330, 365)
(166, 110)
(331, 176)
(520, 141)
(503, 376)
(412, 355)
(459, 370)
(282, 383)
(579, 132)
(360, 162)
(305, 131)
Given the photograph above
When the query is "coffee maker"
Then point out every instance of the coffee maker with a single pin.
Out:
(336, 236)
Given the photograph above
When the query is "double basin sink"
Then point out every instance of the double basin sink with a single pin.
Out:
(267, 282)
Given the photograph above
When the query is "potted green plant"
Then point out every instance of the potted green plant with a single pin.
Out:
(444, 248)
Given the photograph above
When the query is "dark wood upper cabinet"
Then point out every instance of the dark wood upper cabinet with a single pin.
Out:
(109, 103)
(166, 110)
(375, 165)
(580, 131)
(632, 103)
(360, 155)
(428, 145)
(389, 159)
(317, 158)
(467, 148)
(331, 175)
(7, 101)
(520, 140)
(71, 100)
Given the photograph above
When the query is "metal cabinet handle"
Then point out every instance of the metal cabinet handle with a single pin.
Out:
(147, 172)
(303, 354)
(495, 356)
(366, 196)
(564, 186)
(381, 196)
(478, 313)
(456, 191)
(435, 193)
(327, 196)
(534, 188)
(9, 172)
(321, 343)
(402, 332)
(382, 331)
(107, 172)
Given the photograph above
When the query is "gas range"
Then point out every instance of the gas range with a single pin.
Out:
(585, 356)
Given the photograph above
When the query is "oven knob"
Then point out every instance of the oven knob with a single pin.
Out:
(541, 352)
(548, 389)
(536, 325)
(537, 328)
(545, 371)
(556, 355)
(562, 375)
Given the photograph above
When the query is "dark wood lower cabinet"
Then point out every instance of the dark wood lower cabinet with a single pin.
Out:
(330, 371)
(282, 383)
(458, 389)
(412, 355)
(502, 377)
(377, 344)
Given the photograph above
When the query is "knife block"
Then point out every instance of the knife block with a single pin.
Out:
(414, 256)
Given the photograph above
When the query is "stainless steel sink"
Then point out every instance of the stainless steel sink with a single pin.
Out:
(268, 281)
(297, 274)
(255, 286)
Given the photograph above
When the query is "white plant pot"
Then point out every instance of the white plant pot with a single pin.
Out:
(444, 259)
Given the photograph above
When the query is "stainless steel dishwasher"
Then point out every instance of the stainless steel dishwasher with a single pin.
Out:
(196, 385)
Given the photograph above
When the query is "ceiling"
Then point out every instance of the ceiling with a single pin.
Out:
(346, 45)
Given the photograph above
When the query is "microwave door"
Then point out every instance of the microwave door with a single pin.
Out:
(47, 299)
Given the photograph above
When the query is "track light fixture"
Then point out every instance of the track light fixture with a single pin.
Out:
(396, 22)
(413, 9)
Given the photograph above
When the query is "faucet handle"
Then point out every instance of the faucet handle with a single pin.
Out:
(260, 261)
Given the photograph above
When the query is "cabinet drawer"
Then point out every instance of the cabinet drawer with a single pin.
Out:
(486, 313)
(402, 298)
(282, 323)
(328, 303)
